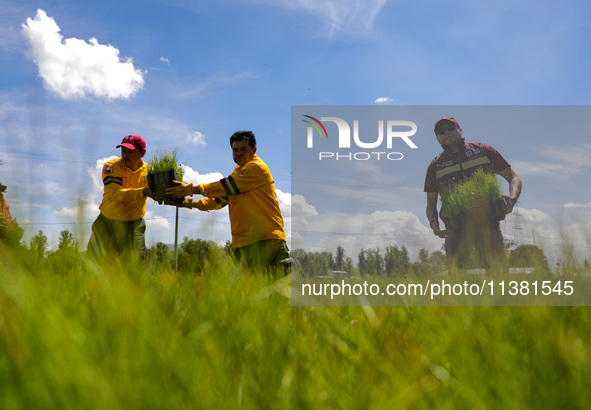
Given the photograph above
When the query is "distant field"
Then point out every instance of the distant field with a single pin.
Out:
(121, 337)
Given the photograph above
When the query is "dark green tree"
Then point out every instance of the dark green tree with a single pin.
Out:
(194, 253)
(67, 241)
(349, 265)
(66, 258)
(339, 260)
(373, 262)
(423, 255)
(38, 245)
(437, 260)
(396, 261)
(313, 263)
(361, 265)
(525, 256)
(162, 254)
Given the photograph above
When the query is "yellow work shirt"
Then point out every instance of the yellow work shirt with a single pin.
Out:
(123, 198)
(250, 195)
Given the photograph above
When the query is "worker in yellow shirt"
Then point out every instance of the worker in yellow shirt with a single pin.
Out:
(258, 236)
(120, 226)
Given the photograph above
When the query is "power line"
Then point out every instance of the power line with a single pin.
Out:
(93, 161)
(44, 157)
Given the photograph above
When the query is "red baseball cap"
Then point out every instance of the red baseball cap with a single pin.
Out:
(446, 118)
(133, 142)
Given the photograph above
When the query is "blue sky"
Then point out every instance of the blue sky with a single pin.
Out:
(190, 74)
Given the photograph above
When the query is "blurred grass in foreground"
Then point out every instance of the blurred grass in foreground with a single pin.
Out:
(122, 337)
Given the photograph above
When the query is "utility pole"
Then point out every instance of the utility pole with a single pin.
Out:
(518, 228)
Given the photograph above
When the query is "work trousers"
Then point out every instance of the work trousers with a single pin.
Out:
(263, 254)
(110, 237)
(475, 247)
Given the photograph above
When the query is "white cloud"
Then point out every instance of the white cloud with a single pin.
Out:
(73, 68)
(284, 199)
(529, 216)
(196, 138)
(316, 231)
(577, 205)
(193, 177)
(557, 162)
(156, 221)
(301, 209)
(165, 60)
(383, 100)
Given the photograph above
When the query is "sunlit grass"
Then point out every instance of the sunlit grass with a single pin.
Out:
(120, 336)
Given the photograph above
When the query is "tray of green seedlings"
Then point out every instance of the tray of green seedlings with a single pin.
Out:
(163, 169)
(478, 196)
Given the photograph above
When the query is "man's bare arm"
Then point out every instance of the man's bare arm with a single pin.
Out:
(432, 215)
(514, 187)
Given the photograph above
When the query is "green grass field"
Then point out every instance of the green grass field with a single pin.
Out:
(121, 337)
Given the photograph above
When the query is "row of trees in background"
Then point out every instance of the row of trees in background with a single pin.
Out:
(395, 261)
(391, 261)
(194, 253)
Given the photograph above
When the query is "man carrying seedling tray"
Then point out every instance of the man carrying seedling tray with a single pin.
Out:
(120, 226)
(464, 175)
(258, 236)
